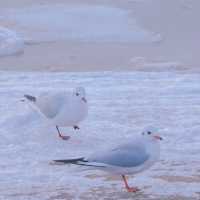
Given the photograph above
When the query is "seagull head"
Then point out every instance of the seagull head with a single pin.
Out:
(80, 93)
(151, 133)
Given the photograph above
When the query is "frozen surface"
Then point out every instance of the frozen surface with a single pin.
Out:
(77, 22)
(10, 42)
(121, 104)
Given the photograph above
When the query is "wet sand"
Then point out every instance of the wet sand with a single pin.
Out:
(179, 46)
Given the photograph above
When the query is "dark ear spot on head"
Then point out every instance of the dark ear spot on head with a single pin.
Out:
(77, 94)
(142, 133)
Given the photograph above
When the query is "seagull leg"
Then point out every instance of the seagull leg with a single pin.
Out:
(129, 189)
(76, 127)
(62, 136)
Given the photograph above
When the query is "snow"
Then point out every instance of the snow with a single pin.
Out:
(10, 42)
(95, 23)
(121, 105)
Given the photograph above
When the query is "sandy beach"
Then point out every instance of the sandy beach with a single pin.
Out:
(175, 23)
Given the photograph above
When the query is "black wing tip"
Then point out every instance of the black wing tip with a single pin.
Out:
(70, 161)
(30, 98)
(77, 161)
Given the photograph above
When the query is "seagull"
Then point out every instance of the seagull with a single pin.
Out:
(129, 158)
(62, 109)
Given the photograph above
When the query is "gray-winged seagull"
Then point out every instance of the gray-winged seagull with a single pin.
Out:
(130, 158)
(62, 109)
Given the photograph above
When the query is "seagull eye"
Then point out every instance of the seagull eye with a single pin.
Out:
(149, 132)
(77, 94)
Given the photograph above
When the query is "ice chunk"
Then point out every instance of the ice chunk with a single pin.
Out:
(10, 42)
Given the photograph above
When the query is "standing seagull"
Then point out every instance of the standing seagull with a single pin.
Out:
(62, 109)
(130, 158)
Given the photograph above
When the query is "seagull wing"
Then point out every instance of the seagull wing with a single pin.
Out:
(123, 156)
(50, 105)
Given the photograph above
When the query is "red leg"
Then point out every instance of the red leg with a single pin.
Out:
(129, 189)
(62, 136)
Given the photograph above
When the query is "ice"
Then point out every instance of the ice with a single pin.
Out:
(78, 22)
(10, 42)
(121, 104)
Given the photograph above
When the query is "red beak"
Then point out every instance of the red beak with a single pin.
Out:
(158, 137)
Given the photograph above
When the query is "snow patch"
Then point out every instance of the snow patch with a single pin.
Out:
(121, 104)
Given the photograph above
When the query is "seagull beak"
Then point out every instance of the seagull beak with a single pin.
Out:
(84, 99)
(157, 137)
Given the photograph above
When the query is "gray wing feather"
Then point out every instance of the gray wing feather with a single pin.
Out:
(127, 156)
(50, 105)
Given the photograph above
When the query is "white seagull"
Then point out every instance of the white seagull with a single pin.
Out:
(129, 158)
(62, 109)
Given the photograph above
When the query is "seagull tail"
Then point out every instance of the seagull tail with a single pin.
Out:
(30, 98)
(71, 161)
(78, 161)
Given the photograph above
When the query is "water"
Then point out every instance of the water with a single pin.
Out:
(85, 23)
(121, 105)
